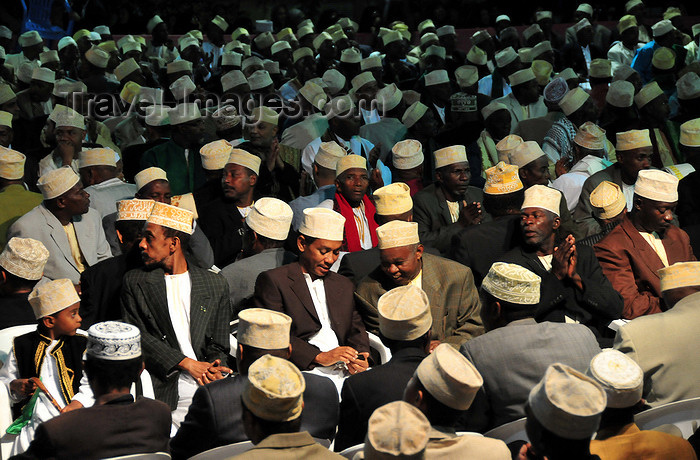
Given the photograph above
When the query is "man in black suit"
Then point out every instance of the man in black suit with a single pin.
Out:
(688, 209)
(579, 55)
(115, 425)
(404, 324)
(215, 417)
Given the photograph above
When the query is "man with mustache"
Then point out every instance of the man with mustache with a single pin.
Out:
(645, 242)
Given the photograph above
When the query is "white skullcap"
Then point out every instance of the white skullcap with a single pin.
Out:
(513, 284)
(657, 185)
(339, 105)
(404, 313)
(618, 374)
(263, 328)
(148, 175)
(662, 28)
(449, 377)
(44, 74)
(56, 182)
(450, 155)
(97, 57)
(396, 430)
(231, 58)
(270, 218)
(328, 155)
(29, 38)
(620, 94)
(322, 223)
(24, 258)
(152, 23)
(688, 86)
(233, 79)
(113, 341)
(525, 153)
(98, 157)
(397, 233)
(259, 79)
(52, 297)
(506, 146)
(543, 197)
(407, 154)
(505, 57)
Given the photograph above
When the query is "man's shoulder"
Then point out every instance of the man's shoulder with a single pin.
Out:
(162, 147)
(454, 268)
(29, 219)
(342, 281)
(428, 194)
(106, 267)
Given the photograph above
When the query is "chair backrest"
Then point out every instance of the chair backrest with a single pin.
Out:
(685, 415)
(149, 456)
(219, 453)
(509, 432)
(8, 335)
(351, 451)
(376, 343)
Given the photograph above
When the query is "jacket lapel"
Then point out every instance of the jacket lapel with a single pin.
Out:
(154, 291)
(442, 204)
(644, 249)
(86, 238)
(200, 300)
(301, 290)
(431, 281)
(58, 235)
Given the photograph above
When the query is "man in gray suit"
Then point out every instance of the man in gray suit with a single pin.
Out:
(183, 311)
(98, 171)
(266, 229)
(65, 223)
(515, 351)
(662, 343)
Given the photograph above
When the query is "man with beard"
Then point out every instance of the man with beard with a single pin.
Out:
(645, 242)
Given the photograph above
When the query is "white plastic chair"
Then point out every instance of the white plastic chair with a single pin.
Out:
(685, 415)
(150, 456)
(509, 432)
(146, 386)
(8, 335)
(376, 343)
(351, 451)
(219, 453)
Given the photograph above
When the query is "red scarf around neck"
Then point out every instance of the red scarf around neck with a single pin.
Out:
(352, 237)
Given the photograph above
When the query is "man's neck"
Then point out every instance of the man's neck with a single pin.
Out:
(448, 195)
(546, 247)
(111, 396)
(244, 201)
(62, 217)
(178, 265)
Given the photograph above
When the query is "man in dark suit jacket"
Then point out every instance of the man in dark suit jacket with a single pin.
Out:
(215, 416)
(407, 334)
(573, 53)
(329, 308)
(146, 299)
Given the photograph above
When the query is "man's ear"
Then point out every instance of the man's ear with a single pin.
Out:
(419, 251)
(289, 352)
(301, 242)
(48, 321)
(556, 222)
(253, 180)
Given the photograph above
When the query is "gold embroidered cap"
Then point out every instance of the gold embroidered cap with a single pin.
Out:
(134, 209)
(173, 217)
(25, 258)
(450, 155)
(633, 139)
(513, 284)
(404, 313)
(609, 200)
(620, 377)
(215, 154)
(56, 182)
(52, 297)
(322, 223)
(679, 275)
(502, 179)
(541, 196)
(246, 159)
(397, 233)
(148, 175)
(11, 164)
(274, 390)
(396, 430)
(393, 199)
(270, 218)
(449, 377)
(657, 185)
(263, 328)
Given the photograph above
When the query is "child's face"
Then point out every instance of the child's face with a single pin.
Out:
(67, 321)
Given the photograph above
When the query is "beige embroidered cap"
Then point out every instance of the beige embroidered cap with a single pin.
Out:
(466, 75)
(148, 175)
(688, 86)
(657, 185)
(567, 403)
(126, 68)
(173, 217)
(449, 377)
(620, 94)
(573, 100)
(314, 94)
(5, 119)
(322, 223)
(506, 147)
(414, 113)
(525, 153)
(350, 162)
(513, 284)
(436, 77)
(11, 164)
(590, 136)
(179, 66)
(274, 390)
(450, 155)
(679, 275)
(397, 233)
(541, 196)
(215, 154)
(98, 157)
(56, 182)
(396, 430)
(620, 377)
(690, 135)
(64, 117)
(52, 297)
(407, 154)
(233, 79)
(25, 258)
(502, 179)
(134, 209)
(246, 159)
(393, 199)
(97, 57)
(260, 79)
(264, 328)
(264, 114)
(633, 139)
(492, 108)
(404, 313)
(29, 38)
(477, 56)
(505, 57)
(389, 97)
(609, 200)
(271, 218)
(328, 155)
(647, 94)
(184, 113)
(113, 341)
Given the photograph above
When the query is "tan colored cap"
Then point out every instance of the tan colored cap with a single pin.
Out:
(436, 77)
(264, 114)
(314, 94)
(263, 328)
(132, 89)
(435, 50)
(396, 430)
(134, 209)
(173, 217)
(539, 15)
(466, 75)
(541, 196)
(270, 218)
(492, 108)
(56, 182)
(179, 66)
(328, 155)
(450, 155)
(11, 164)
(620, 94)
(688, 86)
(532, 30)
(623, 72)
(679, 275)
(389, 97)
(632, 3)
(542, 71)
(220, 22)
(351, 56)
(361, 80)
(525, 55)
(98, 157)
(238, 32)
(29, 38)
(322, 223)
(513, 284)
(573, 100)
(540, 48)
(393, 199)
(233, 58)
(253, 61)
(397, 233)
(370, 62)
(152, 23)
(414, 113)
(350, 162)
(657, 185)
(264, 40)
(690, 135)
(600, 68)
(664, 58)
(590, 136)
(505, 57)
(647, 94)
(215, 154)
(49, 56)
(568, 74)
(449, 377)
(404, 313)
(479, 36)
(502, 179)
(477, 56)
(63, 116)
(260, 79)
(521, 76)
(609, 200)
(126, 68)
(184, 113)
(507, 146)
(274, 390)
(525, 153)
(52, 297)
(620, 377)
(334, 81)
(662, 28)
(339, 105)
(25, 258)
(633, 139)
(567, 403)
(6, 93)
(582, 24)
(148, 175)
(626, 22)
(97, 57)
(246, 159)
(302, 53)
(233, 79)
(407, 154)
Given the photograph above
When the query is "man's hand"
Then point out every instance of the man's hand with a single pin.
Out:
(433, 345)
(562, 166)
(24, 387)
(196, 369)
(216, 372)
(564, 261)
(470, 214)
(67, 152)
(72, 406)
(360, 364)
(375, 179)
(527, 453)
(328, 358)
(273, 156)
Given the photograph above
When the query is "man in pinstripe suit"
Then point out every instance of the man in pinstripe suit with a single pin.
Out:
(183, 311)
